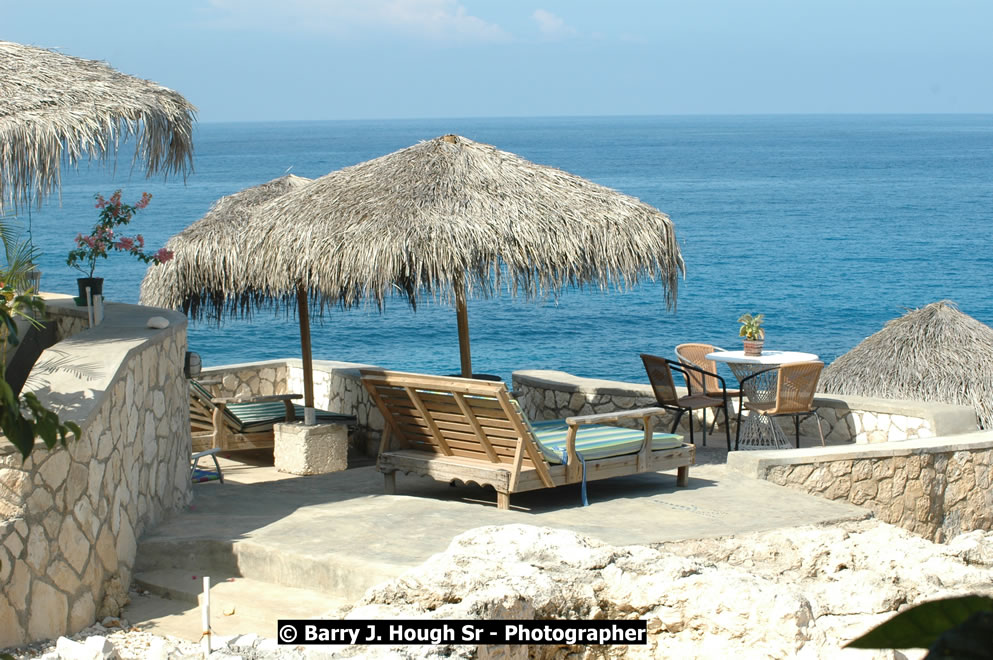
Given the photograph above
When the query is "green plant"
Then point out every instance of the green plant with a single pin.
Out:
(751, 327)
(22, 419)
(113, 213)
(955, 627)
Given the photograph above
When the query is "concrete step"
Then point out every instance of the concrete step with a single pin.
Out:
(342, 575)
(237, 605)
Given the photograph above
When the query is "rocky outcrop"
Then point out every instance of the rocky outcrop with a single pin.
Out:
(801, 592)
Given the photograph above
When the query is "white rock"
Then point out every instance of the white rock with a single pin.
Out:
(157, 322)
(244, 641)
(94, 648)
(800, 592)
(102, 647)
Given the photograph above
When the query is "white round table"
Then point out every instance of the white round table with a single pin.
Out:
(759, 431)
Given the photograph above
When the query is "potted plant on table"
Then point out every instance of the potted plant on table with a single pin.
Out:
(103, 239)
(753, 333)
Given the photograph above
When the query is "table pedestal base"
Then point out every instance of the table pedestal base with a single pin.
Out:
(762, 432)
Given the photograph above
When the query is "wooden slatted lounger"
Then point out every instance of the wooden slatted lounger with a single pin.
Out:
(473, 431)
(233, 423)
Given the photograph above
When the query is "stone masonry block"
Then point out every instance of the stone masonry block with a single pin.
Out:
(317, 449)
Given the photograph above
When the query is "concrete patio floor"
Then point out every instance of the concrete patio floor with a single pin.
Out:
(338, 534)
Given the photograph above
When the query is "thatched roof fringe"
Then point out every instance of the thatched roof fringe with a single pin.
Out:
(426, 220)
(935, 353)
(57, 109)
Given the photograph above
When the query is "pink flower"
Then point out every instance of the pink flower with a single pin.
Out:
(143, 202)
(141, 240)
(124, 244)
(101, 202)
(163, 255)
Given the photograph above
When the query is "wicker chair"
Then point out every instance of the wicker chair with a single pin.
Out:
(660, 375)
(794, 388)
(696, 355)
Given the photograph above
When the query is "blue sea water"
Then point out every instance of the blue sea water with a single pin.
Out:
(829, 225)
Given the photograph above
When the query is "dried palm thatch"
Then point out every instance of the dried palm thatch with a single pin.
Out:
(935, 353)
(433, 218)
(56, 109)
(212, 249)
(448, 217)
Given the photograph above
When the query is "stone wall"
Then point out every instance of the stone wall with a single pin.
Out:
(338, 388)
(70, 517)
(556, 394)
(245, 379)
(936, 487)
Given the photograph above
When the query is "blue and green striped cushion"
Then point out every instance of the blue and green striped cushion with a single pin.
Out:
(249, 417)
(597, 440)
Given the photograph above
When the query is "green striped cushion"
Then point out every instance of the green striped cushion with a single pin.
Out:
(252, 417)
(259, 416)
(597, 440)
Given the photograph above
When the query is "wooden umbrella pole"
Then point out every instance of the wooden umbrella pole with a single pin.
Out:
(463, 316)
(308, 365)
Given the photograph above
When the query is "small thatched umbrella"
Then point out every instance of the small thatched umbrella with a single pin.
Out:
(935, 353)
(448, 217)
(55, 108)
(208, 260)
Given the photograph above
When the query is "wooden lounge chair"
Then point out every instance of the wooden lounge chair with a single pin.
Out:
(457, 429)
(244, 422)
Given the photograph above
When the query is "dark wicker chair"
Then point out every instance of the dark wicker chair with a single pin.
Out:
(660, 375)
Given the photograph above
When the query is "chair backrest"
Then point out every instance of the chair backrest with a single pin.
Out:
(696, 355)
(660, 376)
(452, 416)
(202, 409)
(796, 387)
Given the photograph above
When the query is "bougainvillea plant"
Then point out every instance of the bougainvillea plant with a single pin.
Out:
(104, 238)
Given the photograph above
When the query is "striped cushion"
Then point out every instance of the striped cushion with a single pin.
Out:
(255, 415)
(252, 417)
(597, 440)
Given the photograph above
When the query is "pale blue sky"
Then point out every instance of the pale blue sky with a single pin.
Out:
(366, 59)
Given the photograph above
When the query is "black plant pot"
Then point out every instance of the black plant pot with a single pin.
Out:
(94, 283)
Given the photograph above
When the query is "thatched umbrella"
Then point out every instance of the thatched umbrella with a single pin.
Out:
(208, 262)
(450, 218)
(208, 257)
(935, 353)
(55, 108)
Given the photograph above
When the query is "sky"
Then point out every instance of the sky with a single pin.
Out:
(249, 60)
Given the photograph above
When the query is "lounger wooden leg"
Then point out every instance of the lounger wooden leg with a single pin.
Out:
(683, 476)
(503, 501)
(390, 482)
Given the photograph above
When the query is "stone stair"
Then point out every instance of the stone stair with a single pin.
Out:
(252, 586)
(167, 601)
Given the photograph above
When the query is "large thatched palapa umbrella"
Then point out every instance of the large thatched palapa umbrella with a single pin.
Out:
(55, 108)
(935, 353)
(449, 218)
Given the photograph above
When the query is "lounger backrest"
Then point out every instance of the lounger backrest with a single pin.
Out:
(452, 416)
(202, 406)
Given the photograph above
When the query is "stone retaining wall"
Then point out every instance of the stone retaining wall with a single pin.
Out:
(70, 517)
(936, 487)
(244, 379)
(557, 394)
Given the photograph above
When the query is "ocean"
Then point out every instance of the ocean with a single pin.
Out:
(828, 225)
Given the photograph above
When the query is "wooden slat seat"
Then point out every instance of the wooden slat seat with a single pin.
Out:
(458, 429)
(232, 423)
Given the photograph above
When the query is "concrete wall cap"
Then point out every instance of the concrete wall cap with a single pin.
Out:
(757, 463)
